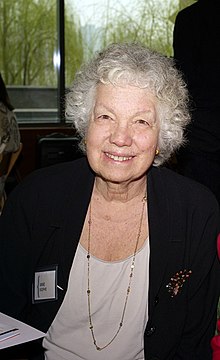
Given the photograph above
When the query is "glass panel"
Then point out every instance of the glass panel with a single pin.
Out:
(93, 24)
(28, 40)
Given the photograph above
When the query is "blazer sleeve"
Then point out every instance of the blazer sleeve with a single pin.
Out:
(40, 226)
(204, 285)
(15, 246)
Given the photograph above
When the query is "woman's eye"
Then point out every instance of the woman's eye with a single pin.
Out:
(104, 117)
(142, 122)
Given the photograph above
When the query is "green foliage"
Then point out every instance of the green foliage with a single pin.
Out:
(150, 22)
(145, 24)
(74, 49)
(28, 40)
(26, 44)
(28, 35)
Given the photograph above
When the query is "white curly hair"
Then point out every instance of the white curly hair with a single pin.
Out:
(135, 65)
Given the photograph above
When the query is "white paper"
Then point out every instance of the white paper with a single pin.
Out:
(24, 333)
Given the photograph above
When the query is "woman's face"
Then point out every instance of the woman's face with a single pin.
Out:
(123, 133)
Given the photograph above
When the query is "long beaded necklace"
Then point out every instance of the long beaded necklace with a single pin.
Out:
(91, 327)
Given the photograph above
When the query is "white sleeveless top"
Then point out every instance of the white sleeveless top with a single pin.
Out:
(69, 336)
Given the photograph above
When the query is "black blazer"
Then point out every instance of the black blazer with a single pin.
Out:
(41, 226)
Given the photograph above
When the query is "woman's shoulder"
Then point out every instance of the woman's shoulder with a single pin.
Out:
(57, 178)
(51, 191)
(60, 173)
(182, 188)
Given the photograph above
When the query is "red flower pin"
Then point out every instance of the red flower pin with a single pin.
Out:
(177, 281)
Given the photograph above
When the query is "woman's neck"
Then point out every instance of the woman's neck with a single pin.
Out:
(120, 192)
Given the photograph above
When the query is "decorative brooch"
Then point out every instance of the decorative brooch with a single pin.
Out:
(177, 281)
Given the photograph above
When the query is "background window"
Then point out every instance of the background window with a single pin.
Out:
(28, 40)
(43, 43)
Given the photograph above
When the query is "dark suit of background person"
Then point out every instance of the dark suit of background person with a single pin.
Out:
(196, 46)
(61, 197)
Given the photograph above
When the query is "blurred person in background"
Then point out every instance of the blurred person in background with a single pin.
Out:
(196, 44)
(9, 134)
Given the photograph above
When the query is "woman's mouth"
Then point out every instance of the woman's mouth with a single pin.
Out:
(118, 157)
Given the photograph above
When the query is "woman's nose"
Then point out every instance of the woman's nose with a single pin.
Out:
(121, 136)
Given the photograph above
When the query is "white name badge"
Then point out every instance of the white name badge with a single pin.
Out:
(45, 284)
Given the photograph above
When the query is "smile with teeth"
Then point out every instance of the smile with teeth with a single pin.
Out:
(118, 158)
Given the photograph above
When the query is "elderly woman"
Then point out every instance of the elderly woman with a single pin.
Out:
(113, 255)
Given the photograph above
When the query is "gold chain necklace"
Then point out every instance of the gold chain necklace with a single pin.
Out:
(91, 327)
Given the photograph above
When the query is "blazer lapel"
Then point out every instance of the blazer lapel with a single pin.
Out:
(75, 212)
(159, 232)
